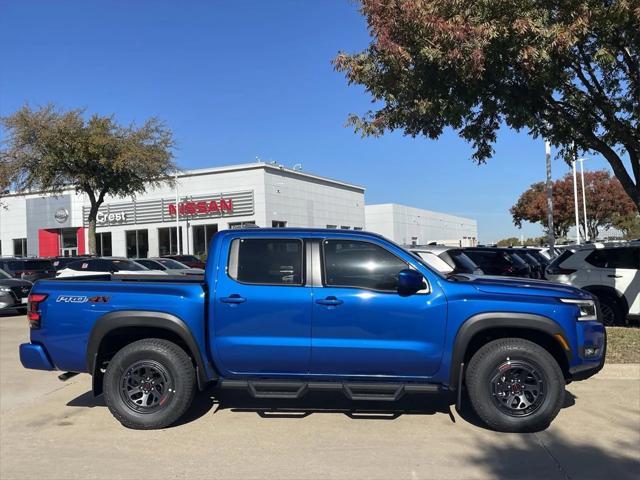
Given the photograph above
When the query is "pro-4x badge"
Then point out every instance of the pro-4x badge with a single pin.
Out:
(82, 299)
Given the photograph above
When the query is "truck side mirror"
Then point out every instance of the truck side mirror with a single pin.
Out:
(409, 282)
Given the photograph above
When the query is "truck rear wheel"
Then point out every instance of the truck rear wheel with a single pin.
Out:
(515, 385)
(149, 384)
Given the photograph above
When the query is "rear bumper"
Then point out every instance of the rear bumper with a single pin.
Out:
(34, 356)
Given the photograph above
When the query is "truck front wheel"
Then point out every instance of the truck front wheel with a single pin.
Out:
(149, 384)
(515, 385)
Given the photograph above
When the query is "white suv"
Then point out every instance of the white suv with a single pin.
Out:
(611, 273)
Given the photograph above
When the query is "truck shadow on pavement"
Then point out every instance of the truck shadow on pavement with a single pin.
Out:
(214, 399)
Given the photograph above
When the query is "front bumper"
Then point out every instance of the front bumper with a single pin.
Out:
(35, 356)
(588, 367)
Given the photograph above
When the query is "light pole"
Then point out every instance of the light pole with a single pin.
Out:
(584, 200)
(575, 201)
(552, 240)
(178, 249)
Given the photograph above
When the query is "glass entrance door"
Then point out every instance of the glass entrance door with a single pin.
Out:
(68, 242)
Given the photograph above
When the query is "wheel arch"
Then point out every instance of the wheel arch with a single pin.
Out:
(608, 290)
(114, 330)
(481, 328)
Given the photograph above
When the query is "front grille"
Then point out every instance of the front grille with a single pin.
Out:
(20, 291)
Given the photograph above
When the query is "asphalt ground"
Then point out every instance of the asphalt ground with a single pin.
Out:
(55, 430)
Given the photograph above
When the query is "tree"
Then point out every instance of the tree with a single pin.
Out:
(606, 203)
(50, 149)
(629, 225)
(567, 70)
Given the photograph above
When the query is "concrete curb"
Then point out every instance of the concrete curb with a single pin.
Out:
(623, 371)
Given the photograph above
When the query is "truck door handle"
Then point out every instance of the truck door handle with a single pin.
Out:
(329, 301)
(233, 299)
(614, 276)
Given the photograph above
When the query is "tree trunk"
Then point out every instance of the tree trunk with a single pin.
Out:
(93, 213)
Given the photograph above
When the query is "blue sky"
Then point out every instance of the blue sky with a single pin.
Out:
(236, 80)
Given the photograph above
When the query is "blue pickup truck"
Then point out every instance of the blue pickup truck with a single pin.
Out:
(281, 312)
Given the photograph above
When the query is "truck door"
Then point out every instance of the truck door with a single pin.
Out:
(362, 326)
(261, 321)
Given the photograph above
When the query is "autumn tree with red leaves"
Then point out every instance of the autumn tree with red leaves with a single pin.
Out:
(566, 70)
(606, 204)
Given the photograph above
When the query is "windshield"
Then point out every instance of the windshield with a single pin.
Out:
(128, 265)
(435, 262)
(172, 264)
(4, 275)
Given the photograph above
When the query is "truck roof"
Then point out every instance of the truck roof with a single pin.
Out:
(301, 231)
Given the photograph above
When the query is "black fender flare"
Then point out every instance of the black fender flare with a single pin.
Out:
(142, 318)
(484, 321)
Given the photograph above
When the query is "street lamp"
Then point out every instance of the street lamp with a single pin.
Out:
(575, 201)
(584, 199)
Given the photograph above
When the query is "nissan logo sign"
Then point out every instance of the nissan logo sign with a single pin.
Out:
(61, 215)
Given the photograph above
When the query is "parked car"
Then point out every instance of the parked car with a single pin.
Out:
(61, 262)
(498, 261)
(13, 292)
(30, 269)
(281, 312)
(529, 257)
(611, 273)
(106, 266)
(190, 261)
(456, 261)
(168, 266)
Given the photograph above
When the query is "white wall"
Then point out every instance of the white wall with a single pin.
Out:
(311, 202)
(402, 224)
(300, 199)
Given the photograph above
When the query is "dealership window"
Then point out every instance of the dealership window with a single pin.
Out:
(278, 224)
(20, 247)
(357, 228)
(262, 261)
(168, 241)
(202, 235)
(332, 227)
(233, 225)
(414, 241)
(345, 227)
(137, 243)
(103, 244)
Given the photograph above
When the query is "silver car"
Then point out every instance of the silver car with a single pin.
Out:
(169, 266)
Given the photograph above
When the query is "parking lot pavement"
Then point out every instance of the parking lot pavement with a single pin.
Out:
(54, 430)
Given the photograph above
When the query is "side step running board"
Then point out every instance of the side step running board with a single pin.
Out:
(390, 392)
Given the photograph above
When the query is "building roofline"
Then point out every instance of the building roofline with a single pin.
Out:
(267, 167)
(391, 204)
(213, 170)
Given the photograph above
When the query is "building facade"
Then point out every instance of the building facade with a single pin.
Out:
(155, 224)
(414, 226)
(209, 200)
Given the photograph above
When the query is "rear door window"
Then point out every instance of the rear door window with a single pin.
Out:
(266, 261)
(623, 257)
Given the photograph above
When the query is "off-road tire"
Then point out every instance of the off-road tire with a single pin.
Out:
(504, 353)
(177, 373)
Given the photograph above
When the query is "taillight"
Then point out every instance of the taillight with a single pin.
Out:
(559, 271)
(33, 309)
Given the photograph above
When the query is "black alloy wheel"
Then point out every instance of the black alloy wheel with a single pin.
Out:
(517, 388)
(145, 386)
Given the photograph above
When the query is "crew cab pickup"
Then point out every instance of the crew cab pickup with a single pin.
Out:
(281, 312)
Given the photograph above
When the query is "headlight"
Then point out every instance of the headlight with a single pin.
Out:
(587, 308)
(5, 289)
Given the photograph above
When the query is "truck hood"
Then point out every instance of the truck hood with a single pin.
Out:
(523, 286)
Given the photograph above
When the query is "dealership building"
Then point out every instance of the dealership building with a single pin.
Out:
(208, 200)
